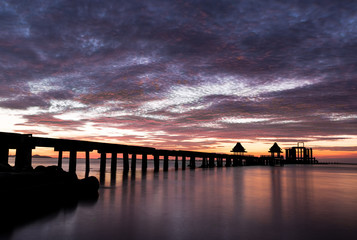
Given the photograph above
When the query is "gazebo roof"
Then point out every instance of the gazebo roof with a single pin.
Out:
(275, 148)
(238, 148)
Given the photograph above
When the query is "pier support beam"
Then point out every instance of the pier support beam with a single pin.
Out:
(103, 161)
(166, 163)
(192, 162)
(156, 163)
(23, 158)
(235, 161)
(4, 155)
(72, 161)
(60, 156)
(211, 162)
(126, 162)
(176, 162)
(144, 163)
(219, 162)
(183, 162)
(87, 164)
(228, 161)
(204, 162)
(133, 163)
(113, 163)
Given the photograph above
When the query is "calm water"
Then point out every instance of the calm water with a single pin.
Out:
(291, 202)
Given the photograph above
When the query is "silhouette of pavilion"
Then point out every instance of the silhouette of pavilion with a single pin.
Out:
(275, 149)
(299, 154)
(238, 149)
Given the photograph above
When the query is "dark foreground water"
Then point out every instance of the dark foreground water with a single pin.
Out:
(257, 202)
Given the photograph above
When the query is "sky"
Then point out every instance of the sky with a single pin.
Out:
(188, 75)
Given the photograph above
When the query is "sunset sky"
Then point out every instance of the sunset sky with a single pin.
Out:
(189, 75)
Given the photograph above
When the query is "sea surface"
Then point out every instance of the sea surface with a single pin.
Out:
(250, 202)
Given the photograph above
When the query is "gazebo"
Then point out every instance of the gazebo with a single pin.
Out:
(275, 149)
(238, 149)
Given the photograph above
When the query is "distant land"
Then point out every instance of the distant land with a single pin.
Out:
(34, 156)
(39, 156)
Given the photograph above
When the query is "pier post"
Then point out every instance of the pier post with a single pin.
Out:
(192, 162)
(87, 164)
(113, 164)
(72, 161)
(219, 162)
(144, 162)
(133, 163)
(176, 162)
(204, 162)
(4, 155)
(235, 161)
(103, 161)
(23, 158)
(126, 162)
(166, 163)
(60, 156)
(228, 161)
(211, 162)
(156, 162)
(183, 162)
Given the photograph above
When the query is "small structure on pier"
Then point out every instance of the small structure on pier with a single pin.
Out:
(275, 149)
(299, 154)
(238, 149)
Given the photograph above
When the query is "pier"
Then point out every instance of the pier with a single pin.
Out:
(25, 143)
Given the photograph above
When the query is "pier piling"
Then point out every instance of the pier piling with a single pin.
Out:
(144, 163)
(166, 163)
(72, 161)
(87, 164)
(126, 162)
(192, 162)
(113, 165)
(103, 161)
(133, 163)
(60, 155)
(4, 155)
(176, 162)
(156, 163)
(183, 162)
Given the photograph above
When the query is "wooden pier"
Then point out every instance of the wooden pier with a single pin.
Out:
(25, 143)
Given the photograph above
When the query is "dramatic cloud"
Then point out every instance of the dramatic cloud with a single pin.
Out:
(181, 74)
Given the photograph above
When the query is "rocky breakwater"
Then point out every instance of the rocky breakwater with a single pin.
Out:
(28, 195)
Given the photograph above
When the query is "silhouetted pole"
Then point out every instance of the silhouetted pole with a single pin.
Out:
(166, 163)
(4, 155)
(113, 164)
(219, 162)
(87, 164)
(192, 162)
(156, 163)
(235, 161)
(211, 162)
(176, 162)
(228, 161)
(204, 162)
(183, 162)
(126, 162)
(133, 163)
(60, 156)
(23, 159)
(144, 162)
(103, 161)
(72, 161)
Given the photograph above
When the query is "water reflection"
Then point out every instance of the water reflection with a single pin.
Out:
(291, 202)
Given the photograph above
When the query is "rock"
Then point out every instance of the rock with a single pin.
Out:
(5, 167)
